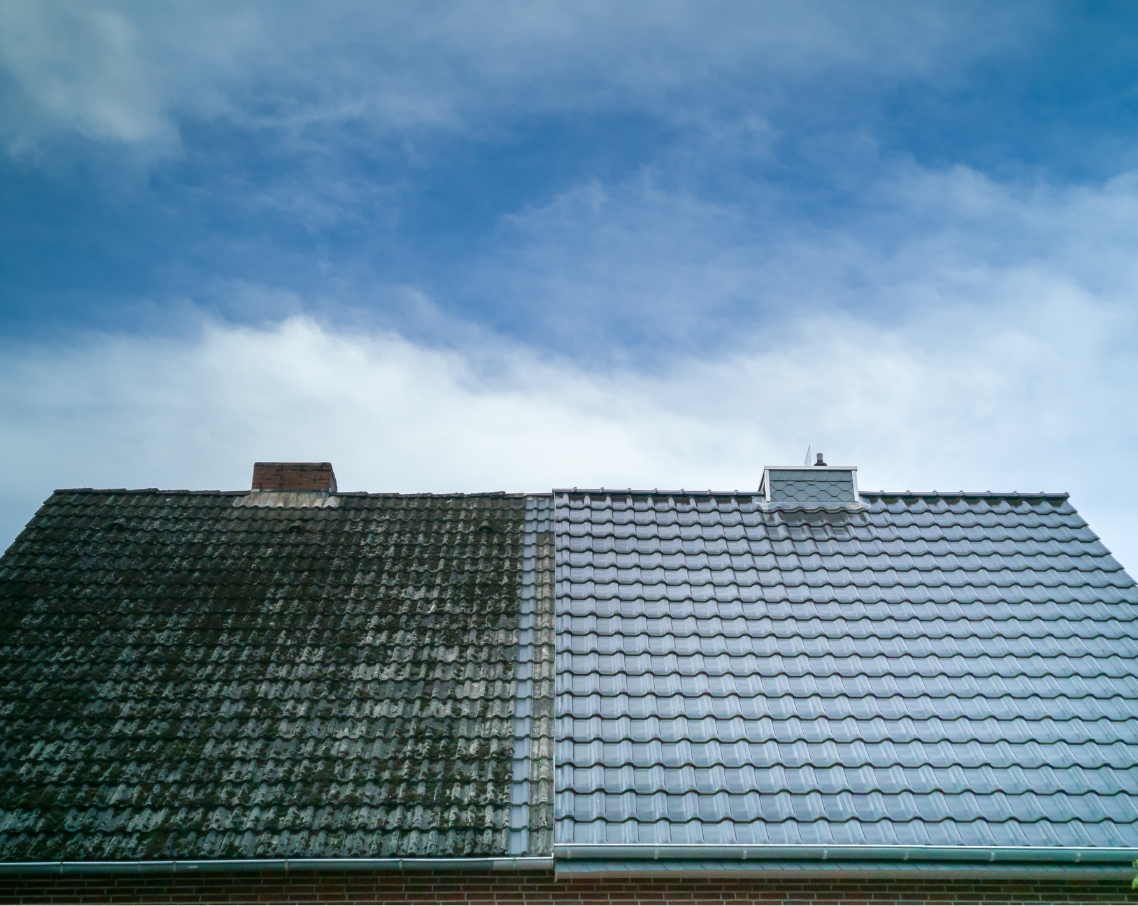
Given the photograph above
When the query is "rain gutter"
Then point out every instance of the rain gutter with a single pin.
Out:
(855, 853)
(521, 863)
(615, 853)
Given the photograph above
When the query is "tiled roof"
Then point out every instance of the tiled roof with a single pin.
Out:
(207, 675)
(945, 670)
(306, 674)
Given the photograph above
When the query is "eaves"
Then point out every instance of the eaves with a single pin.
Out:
(807, 861)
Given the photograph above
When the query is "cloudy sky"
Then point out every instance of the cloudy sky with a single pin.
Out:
(491, 245)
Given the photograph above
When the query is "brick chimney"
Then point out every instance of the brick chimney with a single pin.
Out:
(294, 476)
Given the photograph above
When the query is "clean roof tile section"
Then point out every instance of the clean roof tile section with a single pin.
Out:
(186, 676)
(920, 669)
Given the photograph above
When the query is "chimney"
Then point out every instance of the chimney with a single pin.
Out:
(294, 476)
(819, 461)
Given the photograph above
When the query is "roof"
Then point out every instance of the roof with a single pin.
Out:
(209, 675)
(630, 681)
(915, 670)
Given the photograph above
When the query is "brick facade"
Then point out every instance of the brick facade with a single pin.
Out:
(533, 887)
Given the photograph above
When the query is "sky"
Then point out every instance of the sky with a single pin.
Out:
(515, 246)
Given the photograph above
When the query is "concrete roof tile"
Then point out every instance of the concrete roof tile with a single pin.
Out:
(182, 676)
(955, 670)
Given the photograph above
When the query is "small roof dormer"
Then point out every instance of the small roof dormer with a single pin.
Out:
(810, 485)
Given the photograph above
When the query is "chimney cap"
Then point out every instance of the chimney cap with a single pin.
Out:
(819, 461)
(294, 476)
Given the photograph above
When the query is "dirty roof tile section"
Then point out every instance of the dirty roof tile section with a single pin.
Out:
(533, 746)
(947, 670)
(183, 677)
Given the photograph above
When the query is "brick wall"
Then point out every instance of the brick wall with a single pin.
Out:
(293, 476)
(529, 887)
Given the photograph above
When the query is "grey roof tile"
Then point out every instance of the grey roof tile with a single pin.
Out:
(954, 670)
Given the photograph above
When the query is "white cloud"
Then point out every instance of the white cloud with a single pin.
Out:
(646, 265)
(116, 72)
(989, 401)
(129, 72)
(80, 68)
(943, 330)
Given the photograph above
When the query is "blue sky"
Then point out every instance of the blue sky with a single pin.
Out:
(489, 245)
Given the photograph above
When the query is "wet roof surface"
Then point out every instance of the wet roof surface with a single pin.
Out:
(190, 675)
(942, 669)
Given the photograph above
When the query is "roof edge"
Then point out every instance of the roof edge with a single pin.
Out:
(490, 863)
(850, 853)
(1061, 494)
(217, 493)
(636, 492)
(666, 492)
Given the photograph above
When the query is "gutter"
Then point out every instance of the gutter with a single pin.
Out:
(519, 863)
(847, 856)
(854, 853)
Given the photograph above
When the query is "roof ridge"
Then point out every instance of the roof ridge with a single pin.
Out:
(635, 492)
(217, 493)
(672, 492)
(1063, 494)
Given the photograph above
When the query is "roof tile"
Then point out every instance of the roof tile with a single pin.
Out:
(952, 670)
(185, 677)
